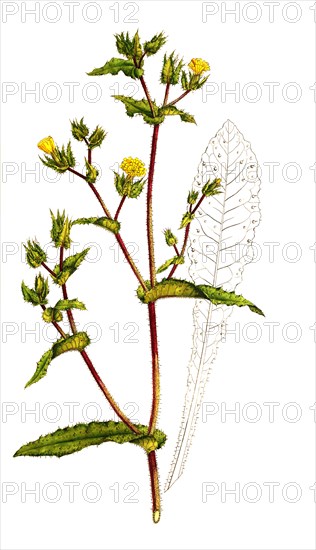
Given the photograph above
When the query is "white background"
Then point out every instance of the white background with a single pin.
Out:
(49, 48)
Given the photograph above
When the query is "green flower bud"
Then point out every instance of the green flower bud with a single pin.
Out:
(153, 46)
(41, 288)
(91, 172)
(170, 238)
(60, 159)
(60, 232)
(34, 254)
(192, 197)
(96, 138)
(79, 130)
(212, 188)
(171, 69)
(186, 219)
(129, 47)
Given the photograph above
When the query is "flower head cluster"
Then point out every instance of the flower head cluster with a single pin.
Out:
(198, 65)
(133, 167)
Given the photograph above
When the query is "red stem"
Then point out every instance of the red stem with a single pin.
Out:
(106, 392)
(166, 94)
(65, 294)
(120, 207)
(180, 97)
(48, 269)
(150, 236)
(155, 367)
(154, 482)
(186, 236)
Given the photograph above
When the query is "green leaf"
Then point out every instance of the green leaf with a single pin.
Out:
(50, 314)
(178, 288)
(106, 223)
(72, 439)
(170, 110)
(176, 260)
(141, 107)
(63, 305)
(186, 219)
(135, 106)
(76, 342)
(41, 368)
(30, 295)
(70, 265)
(115, 65)
(153, 46)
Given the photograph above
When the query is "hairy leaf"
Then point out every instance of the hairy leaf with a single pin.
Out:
(70, 265)
(178, 288)
(171, 110)
(176, 260)
(106, 223)
(41, 368)
(76, 342)
(72, 439)
(63, 305)
(30, 295)
(115, 65)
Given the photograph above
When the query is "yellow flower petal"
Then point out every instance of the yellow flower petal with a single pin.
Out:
(133, 167)
(47, 145)
(198, 65)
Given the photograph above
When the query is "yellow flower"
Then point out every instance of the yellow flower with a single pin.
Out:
(47, 145)
(133, 167)
(198, 66)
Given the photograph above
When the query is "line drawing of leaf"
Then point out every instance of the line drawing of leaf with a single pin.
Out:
(220, 246)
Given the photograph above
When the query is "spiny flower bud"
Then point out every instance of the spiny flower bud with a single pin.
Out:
(79, 130)
(34, 254)
(192, 197)
(212, 188)
(171, 239)
(41, 288)
(60, 232)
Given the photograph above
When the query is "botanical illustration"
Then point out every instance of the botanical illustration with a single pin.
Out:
(215, 232)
